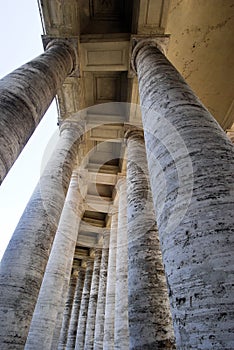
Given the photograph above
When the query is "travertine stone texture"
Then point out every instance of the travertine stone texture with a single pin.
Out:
(121, 337)
(71, 337)
(25, 95)
(67, 311)
(150, 322)
(81, 328)
(191, 173)
(230, 134)
(101, 302)
(90, 325)
(61, 308)
(24, 262)
(109, 324)
(59, 266)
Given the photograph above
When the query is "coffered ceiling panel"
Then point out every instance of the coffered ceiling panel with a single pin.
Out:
(105, 87)
(105, 16)
(152, 16)
(60, 17)
(106, 9)
(105, 56)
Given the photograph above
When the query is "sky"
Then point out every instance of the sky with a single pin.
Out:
(20, 40)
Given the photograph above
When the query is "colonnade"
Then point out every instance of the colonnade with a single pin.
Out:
(179, 174)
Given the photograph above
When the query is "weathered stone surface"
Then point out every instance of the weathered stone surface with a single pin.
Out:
(71, 338)
(121, 338)
(90, 326)
(101, 302)
(81, 328)
(61, 309)
(150, 322)
(25, 95)
(109, 324)
(67, 312)
(191, 172)
(24, 262)
(59, 266)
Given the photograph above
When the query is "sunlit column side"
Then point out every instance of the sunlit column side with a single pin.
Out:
(58, 267)
(71, 337)
(191, 168)
(81, 327)
(25, 95)
(109, 323)
(121, 337)
(64, 311)
(150, 322)
(91, 317)
(24, 262)
(101, 302)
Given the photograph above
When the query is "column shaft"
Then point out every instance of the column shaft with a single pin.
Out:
(109, 325)
(25, 95)
(101, 302)
(91, 317)
(67, 311)
(24, 262)
(81, 328)
(71, 338)
(61, 309)
(121, 339)
(59, 265)
(150, 323)
(191, 172)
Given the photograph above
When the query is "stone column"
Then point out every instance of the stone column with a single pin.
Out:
(101, 302)
(81, 328)
(191, 173)
(150, 323)
(90, 326)
(71, 337)
(58, 267)
(121, 339)
(61, 310)
(230, 135)
(24, 262)
(109, 324)
(25, 95)
(68, 309)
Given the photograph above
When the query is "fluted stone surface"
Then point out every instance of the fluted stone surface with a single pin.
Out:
(101, 302)
(25, 95)
(71, 337)
(59, 266)
(191, 172)
(81, 328)
(90, 326)
(121, 338)
(109, 324)
(150, 322)
(67, 311)
(23, 264)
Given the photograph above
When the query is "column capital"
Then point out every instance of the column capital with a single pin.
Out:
(139, 42)
(71, 44)
(121, 180)
(230, 134)
(132, 131)
(113, 209)
(74, 124)
(87, 262)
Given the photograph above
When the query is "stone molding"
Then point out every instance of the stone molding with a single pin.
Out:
(72, 45)
(121, 179)
(138, 42)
